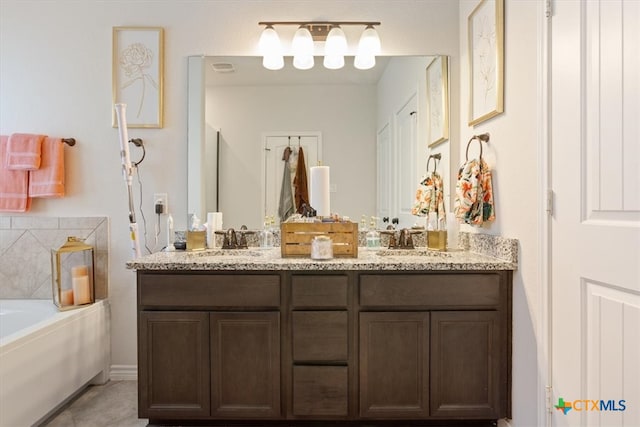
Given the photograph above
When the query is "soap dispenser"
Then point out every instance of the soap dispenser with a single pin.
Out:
(373, 235)
(266, 235)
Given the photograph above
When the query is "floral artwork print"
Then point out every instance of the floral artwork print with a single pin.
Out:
(486, 39)
(138, 62)
(474, 193)
(135, 61)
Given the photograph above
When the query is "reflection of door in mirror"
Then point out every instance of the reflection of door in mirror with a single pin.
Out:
(384, 171)
(274, 146)
(407, 142)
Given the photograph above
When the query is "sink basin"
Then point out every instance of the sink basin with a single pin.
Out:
(225, 252)
(413, 252)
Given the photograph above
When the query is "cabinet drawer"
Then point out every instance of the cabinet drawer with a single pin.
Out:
(430, 290)
(312, 291)
(320, 390)
(320, 336)
(209, 290)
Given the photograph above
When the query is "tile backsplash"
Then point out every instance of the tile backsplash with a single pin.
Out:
(25, 252)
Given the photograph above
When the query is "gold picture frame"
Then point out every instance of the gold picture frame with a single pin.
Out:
(138, 75)
(438, 100)
(486, 61)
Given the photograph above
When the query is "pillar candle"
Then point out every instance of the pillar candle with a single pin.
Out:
(214, 222)
(66, 297)
(319, 191)
(81, 284)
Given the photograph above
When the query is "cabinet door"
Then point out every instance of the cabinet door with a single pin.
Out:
(394, 365)
(245, 365)
(465, 360)
(173, 360)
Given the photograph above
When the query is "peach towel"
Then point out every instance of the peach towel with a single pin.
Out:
(23, 151)
(13, 184)
(48, 181)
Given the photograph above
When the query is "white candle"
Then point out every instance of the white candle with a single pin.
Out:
(319, 190)
(452, 231)
(214, 222)
(81, 285)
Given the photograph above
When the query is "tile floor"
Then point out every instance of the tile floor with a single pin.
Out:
(114, 404)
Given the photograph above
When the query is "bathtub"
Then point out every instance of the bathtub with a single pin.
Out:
(47, 356)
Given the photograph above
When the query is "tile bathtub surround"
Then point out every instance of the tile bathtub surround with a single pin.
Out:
(25, 252)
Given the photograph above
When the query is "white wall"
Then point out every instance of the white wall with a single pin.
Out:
(344, 114)
(514, 149)
(55, 78)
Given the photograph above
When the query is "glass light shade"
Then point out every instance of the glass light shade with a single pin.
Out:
(303, 62)
(271, 49)
(364, 62)
(302, 48)
(302, 43)
(369, 44)
(273, 62)
(269, 43)
(336, 44)
(333, 62)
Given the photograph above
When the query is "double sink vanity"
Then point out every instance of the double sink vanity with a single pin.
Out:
(404, 337)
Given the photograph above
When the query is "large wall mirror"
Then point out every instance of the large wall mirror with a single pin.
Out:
(369, 127)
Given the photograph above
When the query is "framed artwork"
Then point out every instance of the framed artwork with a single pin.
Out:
(138, 61)
(438, 100)
(486, 61)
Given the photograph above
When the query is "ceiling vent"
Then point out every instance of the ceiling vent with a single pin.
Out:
(223, 67)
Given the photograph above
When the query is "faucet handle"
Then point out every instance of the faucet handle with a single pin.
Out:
(392, 238)
(242, 244)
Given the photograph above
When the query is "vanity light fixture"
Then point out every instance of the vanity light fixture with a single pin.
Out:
(335, 44)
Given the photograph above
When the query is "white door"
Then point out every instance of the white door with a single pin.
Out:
(274, 145)
(595, 225)
(406, 155)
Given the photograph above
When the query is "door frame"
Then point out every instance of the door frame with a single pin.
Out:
(545, 213)
(293, 134)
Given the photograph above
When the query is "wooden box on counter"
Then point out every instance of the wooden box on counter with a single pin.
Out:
(296, 238)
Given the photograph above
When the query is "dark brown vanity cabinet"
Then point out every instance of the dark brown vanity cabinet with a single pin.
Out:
(324, 346)
(208, 346)
(435, 345)
(321, 351)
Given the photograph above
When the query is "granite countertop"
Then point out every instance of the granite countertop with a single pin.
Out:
(477, 253)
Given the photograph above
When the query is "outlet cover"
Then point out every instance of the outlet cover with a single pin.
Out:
(163, 200)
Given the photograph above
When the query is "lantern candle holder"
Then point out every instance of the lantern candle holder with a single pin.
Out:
(72, 274)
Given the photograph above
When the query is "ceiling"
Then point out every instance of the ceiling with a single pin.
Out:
(248, 71)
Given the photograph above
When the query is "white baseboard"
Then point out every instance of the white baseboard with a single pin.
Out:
(123, 373)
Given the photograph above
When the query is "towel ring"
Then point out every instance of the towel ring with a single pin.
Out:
(484, 137)
(435, 158)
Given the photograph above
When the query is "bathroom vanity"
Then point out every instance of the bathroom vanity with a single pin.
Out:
(410, 339)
